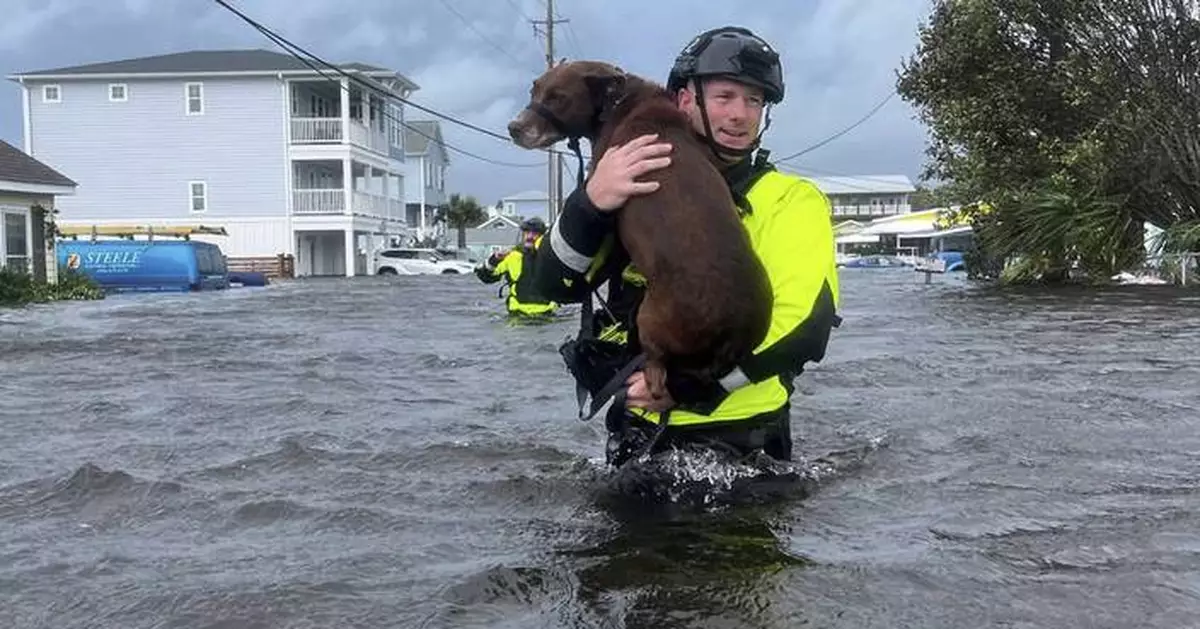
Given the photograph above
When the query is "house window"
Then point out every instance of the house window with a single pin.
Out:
(195, 98)
(51, 94)
(199, 194)
(14, 242)
(118, 93)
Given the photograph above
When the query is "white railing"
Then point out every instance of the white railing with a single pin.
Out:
(316, 130)
(377, 205)
(380, 142)
(333, 201)
(368, 138)
(330, 131)
(319, 201)
(868, 210)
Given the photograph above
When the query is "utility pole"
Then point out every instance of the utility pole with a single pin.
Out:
(553, 161)
(558, 168)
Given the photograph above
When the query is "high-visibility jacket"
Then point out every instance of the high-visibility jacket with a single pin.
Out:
(790, 226)
(523, 298)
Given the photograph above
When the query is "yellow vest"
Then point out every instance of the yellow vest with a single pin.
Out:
(511, 264)
(791, 229)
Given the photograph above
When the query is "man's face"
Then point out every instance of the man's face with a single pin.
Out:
(734, 110)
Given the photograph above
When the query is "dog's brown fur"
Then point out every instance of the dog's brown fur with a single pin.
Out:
(708, 299)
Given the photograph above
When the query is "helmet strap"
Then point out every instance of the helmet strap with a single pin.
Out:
(718, 149)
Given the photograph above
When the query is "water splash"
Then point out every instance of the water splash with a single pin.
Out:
(711, 480)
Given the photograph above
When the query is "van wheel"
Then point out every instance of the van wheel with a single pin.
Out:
(387, 270)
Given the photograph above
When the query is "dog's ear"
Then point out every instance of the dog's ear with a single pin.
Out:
(616, 85)
(605, 87)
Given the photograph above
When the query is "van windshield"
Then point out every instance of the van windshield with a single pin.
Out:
(209, 261)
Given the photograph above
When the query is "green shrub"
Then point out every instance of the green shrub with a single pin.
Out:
(18, 288)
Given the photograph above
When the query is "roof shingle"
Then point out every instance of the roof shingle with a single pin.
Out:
(256, 60)
(18, 167)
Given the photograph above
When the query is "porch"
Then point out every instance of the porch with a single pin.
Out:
(324, 113)
(339, 246)
(346, 187)
(423, 224)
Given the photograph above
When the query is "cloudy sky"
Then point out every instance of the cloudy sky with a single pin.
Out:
(475, 59)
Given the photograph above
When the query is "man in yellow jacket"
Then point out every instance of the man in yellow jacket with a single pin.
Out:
(523, 299)
(724, 80)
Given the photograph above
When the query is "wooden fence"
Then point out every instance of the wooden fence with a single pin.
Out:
(274, 267)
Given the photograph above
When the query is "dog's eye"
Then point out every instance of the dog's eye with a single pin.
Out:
(554, 96)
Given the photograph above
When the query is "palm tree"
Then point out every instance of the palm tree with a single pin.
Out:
(461, 213)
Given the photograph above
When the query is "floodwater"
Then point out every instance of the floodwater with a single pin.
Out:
(387, 452)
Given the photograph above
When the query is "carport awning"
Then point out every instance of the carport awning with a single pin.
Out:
(855, 239)
(898, 228)
(953, 231)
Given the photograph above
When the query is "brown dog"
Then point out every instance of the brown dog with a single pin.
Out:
(708, 300)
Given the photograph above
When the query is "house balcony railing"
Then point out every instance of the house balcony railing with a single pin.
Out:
(332, 201)
(869, 210)
(338, 131)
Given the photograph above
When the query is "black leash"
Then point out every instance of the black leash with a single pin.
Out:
(615, 386)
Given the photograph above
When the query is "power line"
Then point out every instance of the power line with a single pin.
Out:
(574, 41)
(870, 179)
(844, 180)
(571, 38)
(518, 9)
(459, 150)
(471, 25)
(839, 134)
(553, 161)
(292, 49)
(549, 22)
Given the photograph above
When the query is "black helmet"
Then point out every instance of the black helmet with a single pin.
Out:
(534, 224)
(733, 52)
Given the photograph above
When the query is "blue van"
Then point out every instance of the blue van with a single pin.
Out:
(123, 265)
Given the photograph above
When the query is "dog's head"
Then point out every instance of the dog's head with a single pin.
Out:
(567, 101)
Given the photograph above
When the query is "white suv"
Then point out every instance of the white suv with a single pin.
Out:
(412, 261)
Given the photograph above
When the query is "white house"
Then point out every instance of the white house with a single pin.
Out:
(866, 197)
(497, 232)
(26, 183)
(285, 159)
(524, 205)
(425, 162)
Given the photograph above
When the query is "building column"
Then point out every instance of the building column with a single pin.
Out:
(345, 105)
(347, 186)
(386, 187)
(351, 253)
(421, 207)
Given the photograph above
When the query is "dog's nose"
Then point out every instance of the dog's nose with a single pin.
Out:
(514, 129)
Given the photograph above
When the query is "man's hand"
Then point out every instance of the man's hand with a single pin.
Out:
(618, 169)
(638, 396)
